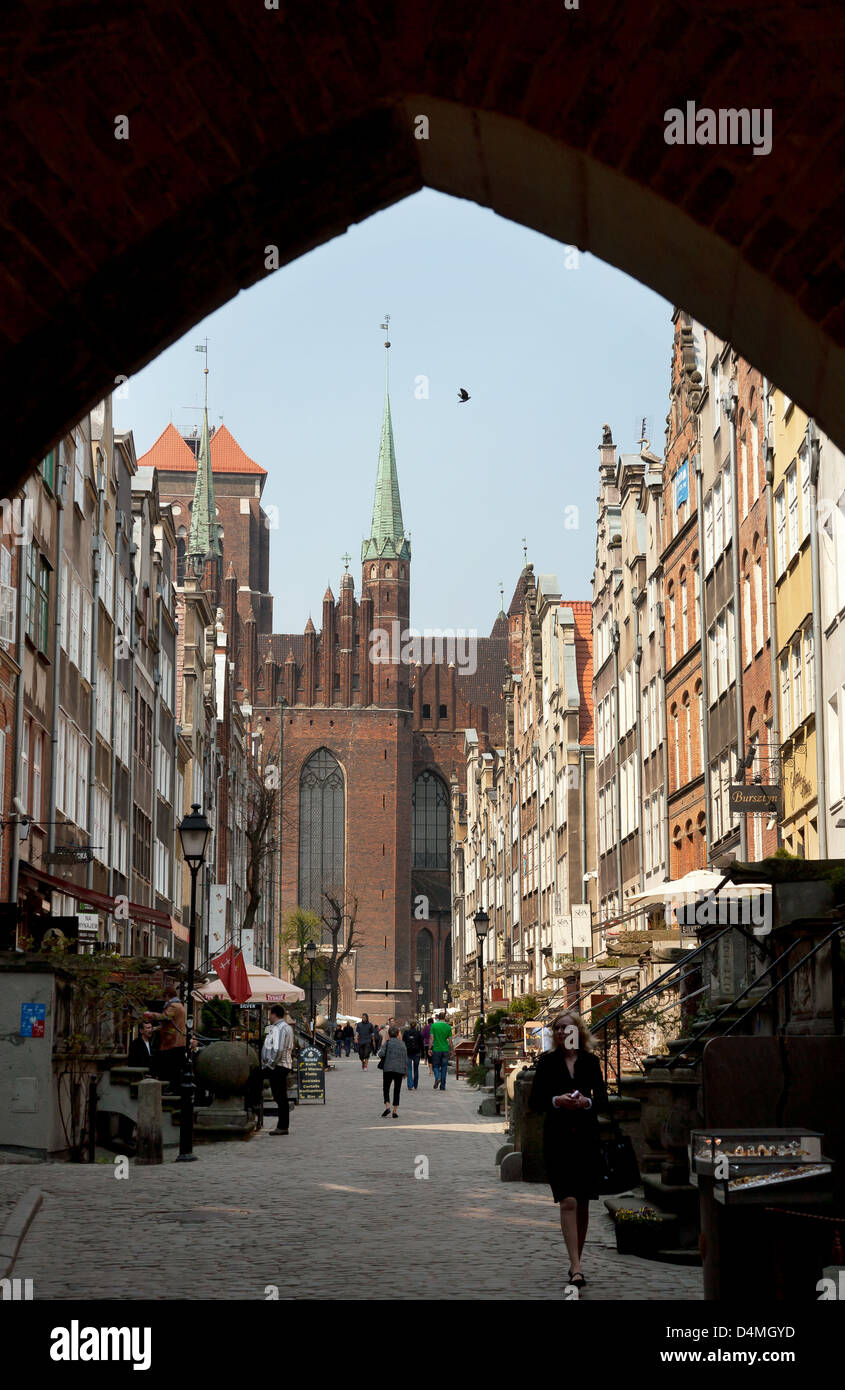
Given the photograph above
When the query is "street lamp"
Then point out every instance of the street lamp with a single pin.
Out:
(194, 832)
(418, 978)
(311, 956)
(482, 926)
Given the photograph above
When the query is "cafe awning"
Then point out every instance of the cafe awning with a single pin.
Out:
(139, 912)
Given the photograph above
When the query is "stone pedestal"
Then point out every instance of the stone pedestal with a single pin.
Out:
(224, 1069)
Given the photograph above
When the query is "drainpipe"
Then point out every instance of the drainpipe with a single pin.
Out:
(638, 658)
(771, 585)
(95, 651)
(113, 759)
(14, 870)
(614, 631)
(60, 598)
(130, 829)
(814, 445)
(705, 657)
(738, 702)
(156, 739)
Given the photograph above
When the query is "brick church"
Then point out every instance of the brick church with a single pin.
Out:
(372, 751)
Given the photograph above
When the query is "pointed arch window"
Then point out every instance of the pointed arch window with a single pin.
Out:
(322, 806)
(431, 822)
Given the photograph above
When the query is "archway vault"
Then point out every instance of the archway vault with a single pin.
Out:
(251, 128)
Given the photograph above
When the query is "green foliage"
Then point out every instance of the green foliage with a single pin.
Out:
(783, 854)
(836, 878)
(526, 1007)
(491, 1023)
(219, 1018)
(477, 1074)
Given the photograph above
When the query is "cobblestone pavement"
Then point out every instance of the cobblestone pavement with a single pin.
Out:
(339, 1192)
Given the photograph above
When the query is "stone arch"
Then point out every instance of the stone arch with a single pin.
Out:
(332, 135)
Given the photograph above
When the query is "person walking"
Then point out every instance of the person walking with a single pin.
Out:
(441, 1048)
(426, 1037)
(364, 1036)
(277, 1059)
(377, 1038)
(348, 1035)
(395, 1057)
(412, 1038)
(569, 1091)
(338, 1040)
(141, 1048)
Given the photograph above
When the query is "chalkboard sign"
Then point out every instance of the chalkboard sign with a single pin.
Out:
(312, 1076)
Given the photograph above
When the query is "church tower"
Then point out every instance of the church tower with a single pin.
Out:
(203, 550)
(386, 573)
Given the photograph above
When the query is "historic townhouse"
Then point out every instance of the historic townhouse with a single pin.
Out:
(792, 550)
(830, 531)
(684, 681)
(650, 639)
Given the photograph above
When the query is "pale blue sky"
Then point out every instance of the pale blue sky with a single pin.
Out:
(547, 353)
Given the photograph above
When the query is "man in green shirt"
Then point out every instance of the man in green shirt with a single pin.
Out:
(441, 1047)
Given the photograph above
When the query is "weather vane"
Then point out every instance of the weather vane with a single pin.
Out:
(386, 327)
(501, 594)
(346, 558)
(524, 551)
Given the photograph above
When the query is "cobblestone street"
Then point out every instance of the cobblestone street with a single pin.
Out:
(310, 1213)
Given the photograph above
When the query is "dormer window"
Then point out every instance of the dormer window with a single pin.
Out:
(373, 572)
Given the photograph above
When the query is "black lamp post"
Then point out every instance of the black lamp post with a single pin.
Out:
(482, 926)
(311, 956)
(194, 832)
(418, 978)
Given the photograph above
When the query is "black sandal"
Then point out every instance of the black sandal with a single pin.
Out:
(578, 1281)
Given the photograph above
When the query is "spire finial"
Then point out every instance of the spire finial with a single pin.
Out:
(346, 558)
(386, 327)
(524, 551)
(501, 596)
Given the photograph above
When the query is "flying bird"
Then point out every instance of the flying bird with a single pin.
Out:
(463, 395)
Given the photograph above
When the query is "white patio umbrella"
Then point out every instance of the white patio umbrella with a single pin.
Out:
(696, 883)
(266, 988)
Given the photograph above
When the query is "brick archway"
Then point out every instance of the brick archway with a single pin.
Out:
(251, 127)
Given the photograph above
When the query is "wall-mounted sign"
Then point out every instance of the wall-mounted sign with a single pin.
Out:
(754, 797)
(682, 484)
(582, 926)
(518, 967)
(32, 1020)
(88, 925)
(69, 854)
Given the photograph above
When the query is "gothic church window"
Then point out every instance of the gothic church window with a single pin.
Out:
(431, 822)
(321, 831)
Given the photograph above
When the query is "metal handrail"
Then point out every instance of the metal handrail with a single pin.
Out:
(837, 930)
(657, 986)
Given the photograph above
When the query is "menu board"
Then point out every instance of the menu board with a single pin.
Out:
(312, 1076)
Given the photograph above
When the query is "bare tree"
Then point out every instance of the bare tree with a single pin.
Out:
(340, 919)
(267, 802)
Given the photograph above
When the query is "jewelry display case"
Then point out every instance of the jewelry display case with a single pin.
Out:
(748, 1162)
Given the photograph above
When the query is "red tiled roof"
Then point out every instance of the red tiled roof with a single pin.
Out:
(582, 612)
(171, 454)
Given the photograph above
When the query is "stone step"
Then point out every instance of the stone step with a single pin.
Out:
(680, 1198)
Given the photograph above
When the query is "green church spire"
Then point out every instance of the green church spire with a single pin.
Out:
(203, 542)
(387, 536)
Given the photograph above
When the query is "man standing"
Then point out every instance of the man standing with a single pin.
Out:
(141, 1048)
(412, 1038)
(277, 1058)
(170, 1058)
(441, 1047)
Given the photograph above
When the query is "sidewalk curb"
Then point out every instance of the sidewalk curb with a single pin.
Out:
(15, 1228)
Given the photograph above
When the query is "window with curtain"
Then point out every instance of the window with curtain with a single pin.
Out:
(322, 797)
(431, 822)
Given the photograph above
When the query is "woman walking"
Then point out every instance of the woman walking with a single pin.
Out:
(569, 1091)
(395, 1056)
(426, 1037)
(364, 1035)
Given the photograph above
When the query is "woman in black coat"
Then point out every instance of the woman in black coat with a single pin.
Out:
(568, 1091)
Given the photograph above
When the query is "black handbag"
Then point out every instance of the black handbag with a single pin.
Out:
(619, 1169)
(381, 1064)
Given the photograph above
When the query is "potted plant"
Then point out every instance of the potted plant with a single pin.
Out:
(640, 1231)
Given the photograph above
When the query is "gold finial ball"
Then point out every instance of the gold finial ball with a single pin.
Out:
(387, 343)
